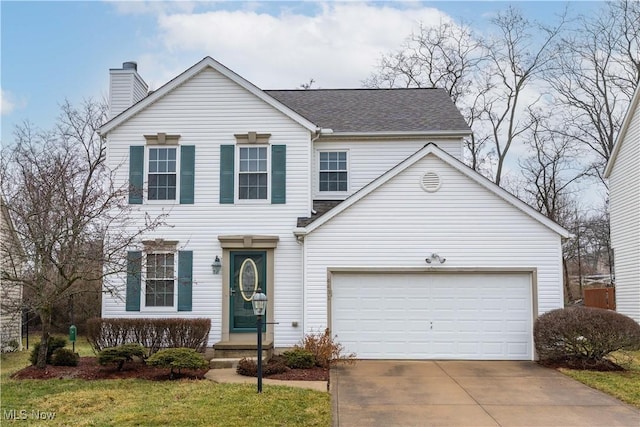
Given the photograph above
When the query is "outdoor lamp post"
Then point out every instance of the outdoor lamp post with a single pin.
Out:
(259, 302)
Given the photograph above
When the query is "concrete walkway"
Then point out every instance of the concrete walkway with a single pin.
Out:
(464, 393)
(229, 375)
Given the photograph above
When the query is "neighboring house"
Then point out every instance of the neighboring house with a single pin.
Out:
(10, 293)
(623, 172)
(350, 208)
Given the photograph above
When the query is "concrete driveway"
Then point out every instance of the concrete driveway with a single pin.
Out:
(466, 393)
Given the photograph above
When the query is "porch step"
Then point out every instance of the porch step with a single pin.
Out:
(226, 362)
(234, 350)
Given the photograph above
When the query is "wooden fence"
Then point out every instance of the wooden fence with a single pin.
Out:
(600, 298)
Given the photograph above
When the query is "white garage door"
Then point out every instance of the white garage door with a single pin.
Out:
(475, 316)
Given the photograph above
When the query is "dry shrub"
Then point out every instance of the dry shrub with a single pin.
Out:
(152, 334)
(325, 349)
(584, 335)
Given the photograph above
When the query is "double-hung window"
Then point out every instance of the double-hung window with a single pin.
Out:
(160, 280)
(252, 174)
(333, 171)
(162, 173)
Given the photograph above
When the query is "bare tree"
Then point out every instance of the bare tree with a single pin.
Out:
(63, 202)
(518, 53)
(550, 171)
(596, 70)
(486, 78)
(449, 57)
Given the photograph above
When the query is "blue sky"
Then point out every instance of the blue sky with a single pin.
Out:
(52, 51)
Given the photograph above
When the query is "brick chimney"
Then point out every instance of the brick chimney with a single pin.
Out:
(126, 87)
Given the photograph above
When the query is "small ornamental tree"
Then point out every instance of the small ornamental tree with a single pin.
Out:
(71, 217)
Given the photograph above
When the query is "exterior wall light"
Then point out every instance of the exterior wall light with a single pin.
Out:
(435, 257)
(217, 265)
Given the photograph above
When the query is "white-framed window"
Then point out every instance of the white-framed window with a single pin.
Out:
(160, 280)
(162, 173)
(333, 171)
(253, 175)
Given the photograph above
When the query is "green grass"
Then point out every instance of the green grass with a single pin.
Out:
(621, 385)
(152, 403)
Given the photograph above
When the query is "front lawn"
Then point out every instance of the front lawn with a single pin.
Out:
(152, 403)
(624, 385)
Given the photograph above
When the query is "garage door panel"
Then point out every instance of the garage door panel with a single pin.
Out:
(447, 316)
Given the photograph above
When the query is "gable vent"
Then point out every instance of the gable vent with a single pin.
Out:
(430, 182)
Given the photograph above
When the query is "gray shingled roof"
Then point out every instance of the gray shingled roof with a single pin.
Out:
(375, 110)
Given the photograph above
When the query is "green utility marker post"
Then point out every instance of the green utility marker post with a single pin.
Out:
(72, 336)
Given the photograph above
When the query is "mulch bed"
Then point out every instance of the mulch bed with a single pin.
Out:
(89, 369)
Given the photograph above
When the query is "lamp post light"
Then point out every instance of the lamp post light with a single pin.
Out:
(259, 302)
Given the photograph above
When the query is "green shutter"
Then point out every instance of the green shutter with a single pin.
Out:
(134, 280)
(227, 154)
(187, 169)
(136, 178)
(278, 174)
(185, 280)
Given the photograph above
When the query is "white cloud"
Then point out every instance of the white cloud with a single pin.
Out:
(338, 46)
(9, 103)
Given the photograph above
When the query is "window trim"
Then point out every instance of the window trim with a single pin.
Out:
(332, 194)
(237, 174)
(147, 153)
(143, 274)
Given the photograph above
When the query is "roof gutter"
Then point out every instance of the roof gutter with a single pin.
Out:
(330, 134)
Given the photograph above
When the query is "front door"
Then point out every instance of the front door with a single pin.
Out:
(247, 275)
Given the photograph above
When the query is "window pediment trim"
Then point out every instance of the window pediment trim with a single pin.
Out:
(160, 245)
(252, 138)
(162, 139)
(250, 241)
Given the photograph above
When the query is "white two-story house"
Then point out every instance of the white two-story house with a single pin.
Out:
(351, 209)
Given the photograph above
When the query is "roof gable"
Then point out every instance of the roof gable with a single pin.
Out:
(633, 108)
(421, 110)
(451, 161)
(188, 74)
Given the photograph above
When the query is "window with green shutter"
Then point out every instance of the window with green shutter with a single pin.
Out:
(134, 280)
(136, 174)
(278, 174)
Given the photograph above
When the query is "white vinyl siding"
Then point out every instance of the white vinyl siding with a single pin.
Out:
(399, 225)
(207, 111)
(367, 160)
(624, 208)
(126, 88)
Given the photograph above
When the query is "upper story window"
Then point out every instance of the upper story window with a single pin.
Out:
(252, 174)
(333, 171)
(160, 280)
(162, 173)
(162, 170)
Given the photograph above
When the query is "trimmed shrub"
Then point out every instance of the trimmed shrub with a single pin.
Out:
(325, 349)
(584, 334)
(249, 367)
(121, 354)
(53, 344)
(299, 358)
(64, 357)
(177, 359)
(152, 334)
